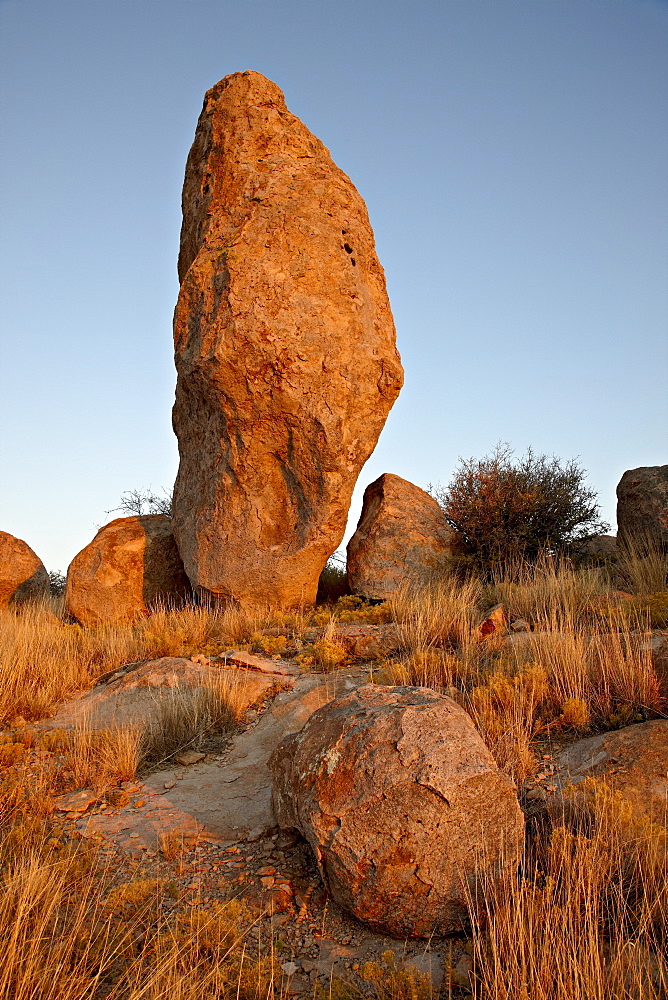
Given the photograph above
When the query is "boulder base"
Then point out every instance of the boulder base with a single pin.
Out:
(642, 506)
(284, 346)
(131, 563)
(402, 804)
(402, 535)
(22, 574)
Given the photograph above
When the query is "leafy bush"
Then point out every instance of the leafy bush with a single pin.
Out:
(508, 509)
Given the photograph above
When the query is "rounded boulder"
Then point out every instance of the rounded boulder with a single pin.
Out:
(131, 564)
(402, 804)
(402, 535)
(22, 574)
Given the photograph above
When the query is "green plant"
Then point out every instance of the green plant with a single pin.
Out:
(507, 508)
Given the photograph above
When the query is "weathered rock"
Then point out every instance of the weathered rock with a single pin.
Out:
(134, 694)
(230, 798)
(494, 622)
(22, 574)
(656, 644)
(360, 641)
(632, 761)
(285, 349)
(131, 563)
(642, 506)
(402, 804)
(596, 547)
(402, 535)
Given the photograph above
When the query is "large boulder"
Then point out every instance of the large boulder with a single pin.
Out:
(22, 574)
(284, 345)
(402, 535)
(131, 564)
(402, 804)
(642, 506)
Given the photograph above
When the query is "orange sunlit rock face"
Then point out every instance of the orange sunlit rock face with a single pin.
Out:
(285, 349)
(403, 805)
(22, 574)
(131, 564)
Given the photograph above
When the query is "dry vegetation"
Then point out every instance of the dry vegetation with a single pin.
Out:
(588, 918)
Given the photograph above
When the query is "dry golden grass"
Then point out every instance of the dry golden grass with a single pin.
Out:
(77, 928)
(72, 935)
(44, 658)
(642, 567)
(192, 719)
(584, 663)
(589, 918)
(101, 759)
(586, 920)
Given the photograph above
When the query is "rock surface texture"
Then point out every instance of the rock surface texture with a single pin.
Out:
(284, 346)
(131, 563)
(632, 761)
(402, 535)
(402, 804)
(22, 574)
(642, 505)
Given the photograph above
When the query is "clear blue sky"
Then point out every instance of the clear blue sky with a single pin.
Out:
(513, 155)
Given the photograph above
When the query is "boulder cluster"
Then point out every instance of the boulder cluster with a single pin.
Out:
(287, 369)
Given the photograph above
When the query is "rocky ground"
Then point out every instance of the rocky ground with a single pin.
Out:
(204, 824)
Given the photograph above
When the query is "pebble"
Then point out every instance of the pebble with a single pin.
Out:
(189, 757)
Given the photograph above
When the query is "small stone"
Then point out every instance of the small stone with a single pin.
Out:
(289, 968)
(287, 839)
(76, 802)
(189, 757)
(461, 974)
(494, 622)
(169, 784)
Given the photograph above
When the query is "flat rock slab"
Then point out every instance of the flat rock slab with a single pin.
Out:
(220, 799)
(143, 827)
(252, 662)
(132, 695)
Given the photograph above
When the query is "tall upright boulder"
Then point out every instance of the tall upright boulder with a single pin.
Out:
(22, 573)
(402, 535)
(284, 346)
(642, 506)
(131, 564)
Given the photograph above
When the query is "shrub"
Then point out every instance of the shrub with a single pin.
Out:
(333, 582)
(139, 502)
(57, 583)
(509, 509)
